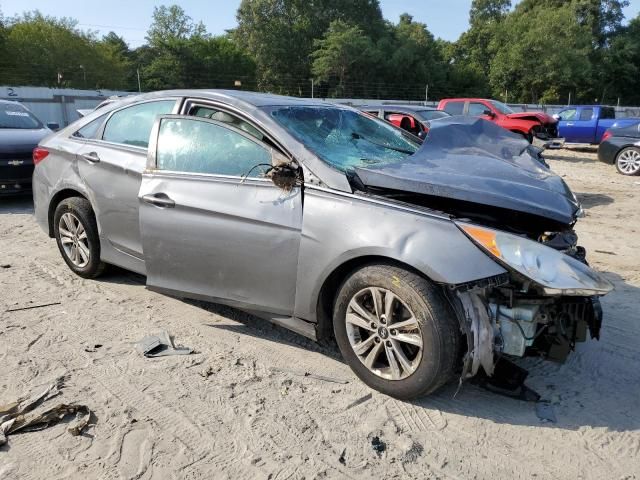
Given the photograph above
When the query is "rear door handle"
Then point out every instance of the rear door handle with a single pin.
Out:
(91, 157)
(159, 200)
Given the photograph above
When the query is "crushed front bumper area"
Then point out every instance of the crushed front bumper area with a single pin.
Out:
(500, 322)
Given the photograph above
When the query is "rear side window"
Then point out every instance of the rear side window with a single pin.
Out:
(132, 125)
(197, 146)
(607, 113)
(90, 129)
(586, 114)
(454, 108)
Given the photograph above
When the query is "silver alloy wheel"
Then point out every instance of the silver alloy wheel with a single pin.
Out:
(73, 238)
(384, 333)
(629, 161)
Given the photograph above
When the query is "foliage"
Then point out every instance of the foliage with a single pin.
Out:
(43, 50)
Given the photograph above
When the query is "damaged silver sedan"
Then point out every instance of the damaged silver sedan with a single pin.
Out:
(425, 261)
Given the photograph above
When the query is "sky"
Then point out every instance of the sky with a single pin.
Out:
(130, 19)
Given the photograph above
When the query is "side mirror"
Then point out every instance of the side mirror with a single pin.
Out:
(557, 117)
(285, 176)
(53, 126)
(489, 113)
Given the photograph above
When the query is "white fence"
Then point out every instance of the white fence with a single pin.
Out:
(57, 105)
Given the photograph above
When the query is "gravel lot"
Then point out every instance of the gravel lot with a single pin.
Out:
(242, 407)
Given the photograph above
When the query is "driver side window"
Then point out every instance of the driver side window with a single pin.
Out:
(198, 146)
(568, 115)
(477, 109)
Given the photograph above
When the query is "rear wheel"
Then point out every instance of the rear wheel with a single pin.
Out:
(396, 331)
(628, 161)
(76, 233)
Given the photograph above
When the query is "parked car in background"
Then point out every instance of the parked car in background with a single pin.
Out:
(528, 124)
(424, 260)
(621, 146)
(587, 123)
(412, 118)
(20, 132)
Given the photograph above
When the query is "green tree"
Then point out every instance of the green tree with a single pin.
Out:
(54, 52)
(541, 54)
(181, 54)
(622, 65)
(343, 53)
(471, 58)
(172, 24)
(280, 34)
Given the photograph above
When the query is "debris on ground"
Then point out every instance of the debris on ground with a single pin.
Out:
(378, 445)
(545, 411)
(93, 349)
(310, 375)
(160, 345)
(360, 401)
(5, 265)
(29, 307)
(207, 372)
(24, 414)
(342, 459)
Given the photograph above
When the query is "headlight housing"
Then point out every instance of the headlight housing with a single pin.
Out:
(555, 272)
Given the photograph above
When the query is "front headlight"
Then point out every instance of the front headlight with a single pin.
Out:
(556, 272)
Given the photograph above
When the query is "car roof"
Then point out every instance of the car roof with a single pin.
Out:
(468, 100)
(411, 108)
(254, 99)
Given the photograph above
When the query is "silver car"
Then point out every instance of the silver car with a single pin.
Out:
(423, 260)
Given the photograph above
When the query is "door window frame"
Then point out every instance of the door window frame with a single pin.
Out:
(153, 149)
(189, 102)
(100, 132)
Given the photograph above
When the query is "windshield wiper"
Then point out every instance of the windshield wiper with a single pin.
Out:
(357, 136)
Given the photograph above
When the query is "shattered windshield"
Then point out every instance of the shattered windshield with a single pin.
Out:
(501, 107)
(346, 138)
(15, 116)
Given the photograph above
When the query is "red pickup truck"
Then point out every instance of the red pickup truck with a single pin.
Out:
(527, 124)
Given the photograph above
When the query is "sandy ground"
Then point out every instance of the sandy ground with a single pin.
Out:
(257, 416)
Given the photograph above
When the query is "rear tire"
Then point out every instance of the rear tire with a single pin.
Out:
(417, 356)
(628, 161)
(76, 233)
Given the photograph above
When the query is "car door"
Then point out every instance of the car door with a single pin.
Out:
(111, 166)
(585, 125)
(212, 226)
(566, 124)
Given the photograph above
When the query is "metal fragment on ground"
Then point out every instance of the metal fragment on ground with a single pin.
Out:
(160, 345)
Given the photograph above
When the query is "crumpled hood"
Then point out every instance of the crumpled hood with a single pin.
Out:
(540, 116)
(16, 140)
(473, 160)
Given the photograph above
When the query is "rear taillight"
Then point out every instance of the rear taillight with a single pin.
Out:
(606, 135)
(39, 154)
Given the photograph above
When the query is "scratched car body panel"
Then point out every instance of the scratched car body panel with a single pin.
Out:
(279, 206)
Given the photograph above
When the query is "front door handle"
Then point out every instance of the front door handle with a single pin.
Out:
(91, 157)
(159, 200)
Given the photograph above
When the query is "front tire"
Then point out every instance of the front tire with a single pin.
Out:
(628, 161)
(76, 234)
(396, 331)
